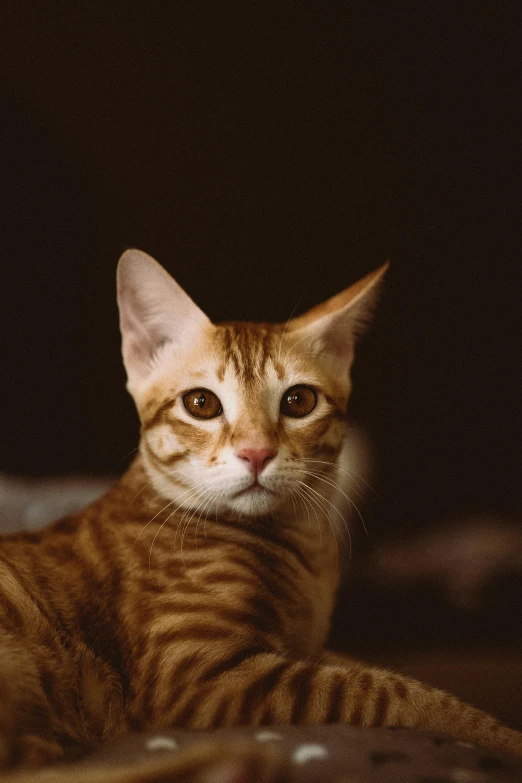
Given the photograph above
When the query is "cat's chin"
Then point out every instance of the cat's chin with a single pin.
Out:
(254, 502)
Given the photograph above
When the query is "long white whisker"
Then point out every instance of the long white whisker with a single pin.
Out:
(286, 327)
(336, 486)
(306, 487)
(170, 503)
(305, 503)
(314, 503)
(216, 494)
(207, 506)
(321, 501)
(322, 472)
(162, 475)
(350, 473)
(194, 492)
(190, 514)
(292, 348)
(335, 509)
(335, 529)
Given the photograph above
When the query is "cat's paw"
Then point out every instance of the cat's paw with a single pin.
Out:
(34, 751)
(29, 750)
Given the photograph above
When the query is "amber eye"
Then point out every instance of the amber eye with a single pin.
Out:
(298, 401)
(202, 403)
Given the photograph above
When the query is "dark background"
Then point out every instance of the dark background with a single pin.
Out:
(270, 156)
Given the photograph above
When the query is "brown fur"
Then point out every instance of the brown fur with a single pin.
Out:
(128, 616)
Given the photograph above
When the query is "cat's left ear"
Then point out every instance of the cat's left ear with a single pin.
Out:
(155, 313)
(332, 328)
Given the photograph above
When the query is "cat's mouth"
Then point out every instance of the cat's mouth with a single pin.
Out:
(254, 489)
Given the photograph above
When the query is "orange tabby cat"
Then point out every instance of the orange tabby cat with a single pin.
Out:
(198, 591)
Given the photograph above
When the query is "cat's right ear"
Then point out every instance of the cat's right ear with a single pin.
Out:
(155, 312)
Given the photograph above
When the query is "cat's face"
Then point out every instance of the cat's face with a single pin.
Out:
(235, 417)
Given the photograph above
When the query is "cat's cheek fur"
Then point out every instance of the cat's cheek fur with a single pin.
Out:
(163, 443)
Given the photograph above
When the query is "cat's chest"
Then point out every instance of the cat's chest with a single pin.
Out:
(308, 618)
(312, 579)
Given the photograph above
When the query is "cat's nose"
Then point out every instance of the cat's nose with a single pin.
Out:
(256, 459)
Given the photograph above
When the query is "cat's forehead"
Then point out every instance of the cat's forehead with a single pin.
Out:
(248, 351)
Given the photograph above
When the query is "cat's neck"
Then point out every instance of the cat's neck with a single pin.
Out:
(309, 526)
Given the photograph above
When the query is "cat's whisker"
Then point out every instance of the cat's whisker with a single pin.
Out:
(328, 474)
(334, 508)
(304, 488)
(335, 468)
(338, 488)
(194, 492)
(165, 474)
(191, 490)
(211, 495)
(160, 512)
(207, 505)
(191, 513)
(352, 474)
(293, 502)
(321, 501)
(129, 453)
(292, 348)
(285, 328)
(314, 504)
(304, 502)
(198, 626)
(216, 495)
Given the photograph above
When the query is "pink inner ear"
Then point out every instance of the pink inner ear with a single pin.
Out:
(154, 310)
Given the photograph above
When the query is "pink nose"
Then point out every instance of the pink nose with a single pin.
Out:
(256, 459)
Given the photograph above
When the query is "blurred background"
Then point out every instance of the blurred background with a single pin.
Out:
(269, 156)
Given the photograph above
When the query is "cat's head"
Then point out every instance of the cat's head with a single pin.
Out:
(236, 416)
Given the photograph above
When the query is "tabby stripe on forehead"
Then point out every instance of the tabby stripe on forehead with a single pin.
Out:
(246, 346)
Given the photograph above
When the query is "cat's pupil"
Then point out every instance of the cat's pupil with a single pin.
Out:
(200, 401)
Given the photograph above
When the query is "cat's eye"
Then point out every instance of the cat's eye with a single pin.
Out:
(298, 401)
(202, 403)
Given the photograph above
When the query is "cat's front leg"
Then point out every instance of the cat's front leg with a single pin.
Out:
(25, 722)
(267, 688)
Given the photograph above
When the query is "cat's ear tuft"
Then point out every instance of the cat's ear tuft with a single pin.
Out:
(154, 312)
(332, 328)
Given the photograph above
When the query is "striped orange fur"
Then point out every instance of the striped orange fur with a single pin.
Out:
(198, 591)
